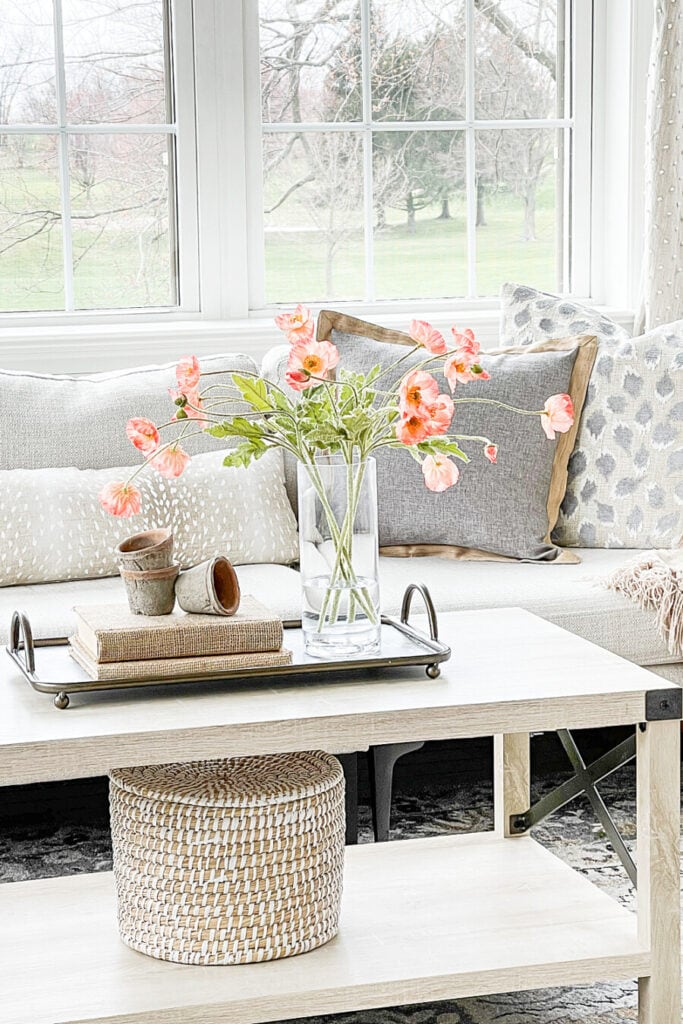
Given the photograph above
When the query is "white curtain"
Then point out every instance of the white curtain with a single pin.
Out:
(662, 278)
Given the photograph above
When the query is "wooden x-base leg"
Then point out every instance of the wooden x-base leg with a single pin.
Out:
(658, 781)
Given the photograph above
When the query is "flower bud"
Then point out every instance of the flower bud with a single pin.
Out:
(181, 414)
(181, 400)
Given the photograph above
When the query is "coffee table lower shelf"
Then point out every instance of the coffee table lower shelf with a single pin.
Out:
(423, 920)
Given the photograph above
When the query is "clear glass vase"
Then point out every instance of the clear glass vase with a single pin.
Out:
(339, 556)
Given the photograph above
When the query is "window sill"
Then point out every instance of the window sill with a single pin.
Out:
(101, 347)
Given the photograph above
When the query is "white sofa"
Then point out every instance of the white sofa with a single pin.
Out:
(572, 596)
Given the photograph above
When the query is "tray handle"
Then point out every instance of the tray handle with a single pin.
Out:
(21, 638)
(422, 590)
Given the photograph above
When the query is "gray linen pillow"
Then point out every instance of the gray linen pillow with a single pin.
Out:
(504, 509)
(58, 420)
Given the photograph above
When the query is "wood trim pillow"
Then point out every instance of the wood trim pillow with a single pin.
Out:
(508, 509)
(57, 529)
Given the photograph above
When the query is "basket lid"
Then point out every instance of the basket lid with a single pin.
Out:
(235, 781)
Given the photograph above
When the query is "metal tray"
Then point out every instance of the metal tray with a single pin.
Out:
(49, 668)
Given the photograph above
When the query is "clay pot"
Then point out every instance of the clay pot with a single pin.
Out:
(152, 549)
(210, 588)
(151, 591)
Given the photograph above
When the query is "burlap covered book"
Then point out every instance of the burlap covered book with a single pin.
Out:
(175, 668)
(110, 632)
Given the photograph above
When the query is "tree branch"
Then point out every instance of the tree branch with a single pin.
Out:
(493, 13)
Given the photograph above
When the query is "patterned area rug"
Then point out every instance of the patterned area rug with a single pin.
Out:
(40, 850)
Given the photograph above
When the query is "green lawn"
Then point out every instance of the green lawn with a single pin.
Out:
(430, 263)
(120, 260)
(127, 263)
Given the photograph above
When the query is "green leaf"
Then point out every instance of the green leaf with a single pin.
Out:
(245, 452)
(238, 427)
(442, 446)
(281, 401)
(241, 456)
(372, 375)
(253, 391)
(220, 430)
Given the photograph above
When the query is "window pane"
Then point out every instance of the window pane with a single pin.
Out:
(27, 94)
(420, 215)
(310, 60)
(418, 60)
(517, 208)
(124, 253)
(31, 275)
(516, 59)
(114, 59)
(313, 196)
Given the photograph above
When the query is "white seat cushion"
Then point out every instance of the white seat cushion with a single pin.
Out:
(569, 595)
(49, 605)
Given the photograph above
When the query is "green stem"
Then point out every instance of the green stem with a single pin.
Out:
(342, 539)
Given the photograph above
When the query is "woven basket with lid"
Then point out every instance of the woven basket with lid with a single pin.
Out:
(229, 862)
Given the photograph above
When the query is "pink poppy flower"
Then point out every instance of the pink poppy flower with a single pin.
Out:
(462, 366)
(120, 499)
(194, 406)
(143, 434)
(424, 334)
(439, 472)
(298, 326)
(491, 452)
(171, 462)
(417, 390)
(440, 414)
(412, 429)
(310, 359)
(187, 373)
(558, 415)
(298, 380)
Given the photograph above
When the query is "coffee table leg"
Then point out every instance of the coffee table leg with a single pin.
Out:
(658, 775)
(511, 778)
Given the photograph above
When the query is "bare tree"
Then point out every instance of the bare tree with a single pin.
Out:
(119, 183)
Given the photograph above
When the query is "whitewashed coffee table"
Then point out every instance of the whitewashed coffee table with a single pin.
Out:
(422, 920)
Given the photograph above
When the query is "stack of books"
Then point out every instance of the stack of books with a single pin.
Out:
(111, 643)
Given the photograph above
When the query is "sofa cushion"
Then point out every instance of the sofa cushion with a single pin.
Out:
(49, 606)
(80, 420)
(625, 484)
(53, 528)
(507, 509)
(570, 596)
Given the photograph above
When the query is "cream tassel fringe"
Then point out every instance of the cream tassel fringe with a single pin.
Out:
(656, 583)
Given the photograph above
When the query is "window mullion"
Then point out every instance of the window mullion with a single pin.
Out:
(470, 153)
(183, 205)
(368, 181)
(63, 156)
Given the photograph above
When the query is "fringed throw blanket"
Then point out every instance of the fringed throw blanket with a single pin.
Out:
(655, 581)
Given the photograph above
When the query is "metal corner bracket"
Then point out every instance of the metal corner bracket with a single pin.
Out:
(661, 705)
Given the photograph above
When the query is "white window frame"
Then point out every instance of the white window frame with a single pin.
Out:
(576, 238)
(219, 153)
(184, 179)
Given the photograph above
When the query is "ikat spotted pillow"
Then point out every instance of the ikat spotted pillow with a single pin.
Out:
(625, 486)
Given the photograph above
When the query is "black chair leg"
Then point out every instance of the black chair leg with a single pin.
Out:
(349, 763)
(381, 763)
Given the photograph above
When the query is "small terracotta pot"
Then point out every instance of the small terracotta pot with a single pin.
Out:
(210, 588)
(152, 549)
(151, 591)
